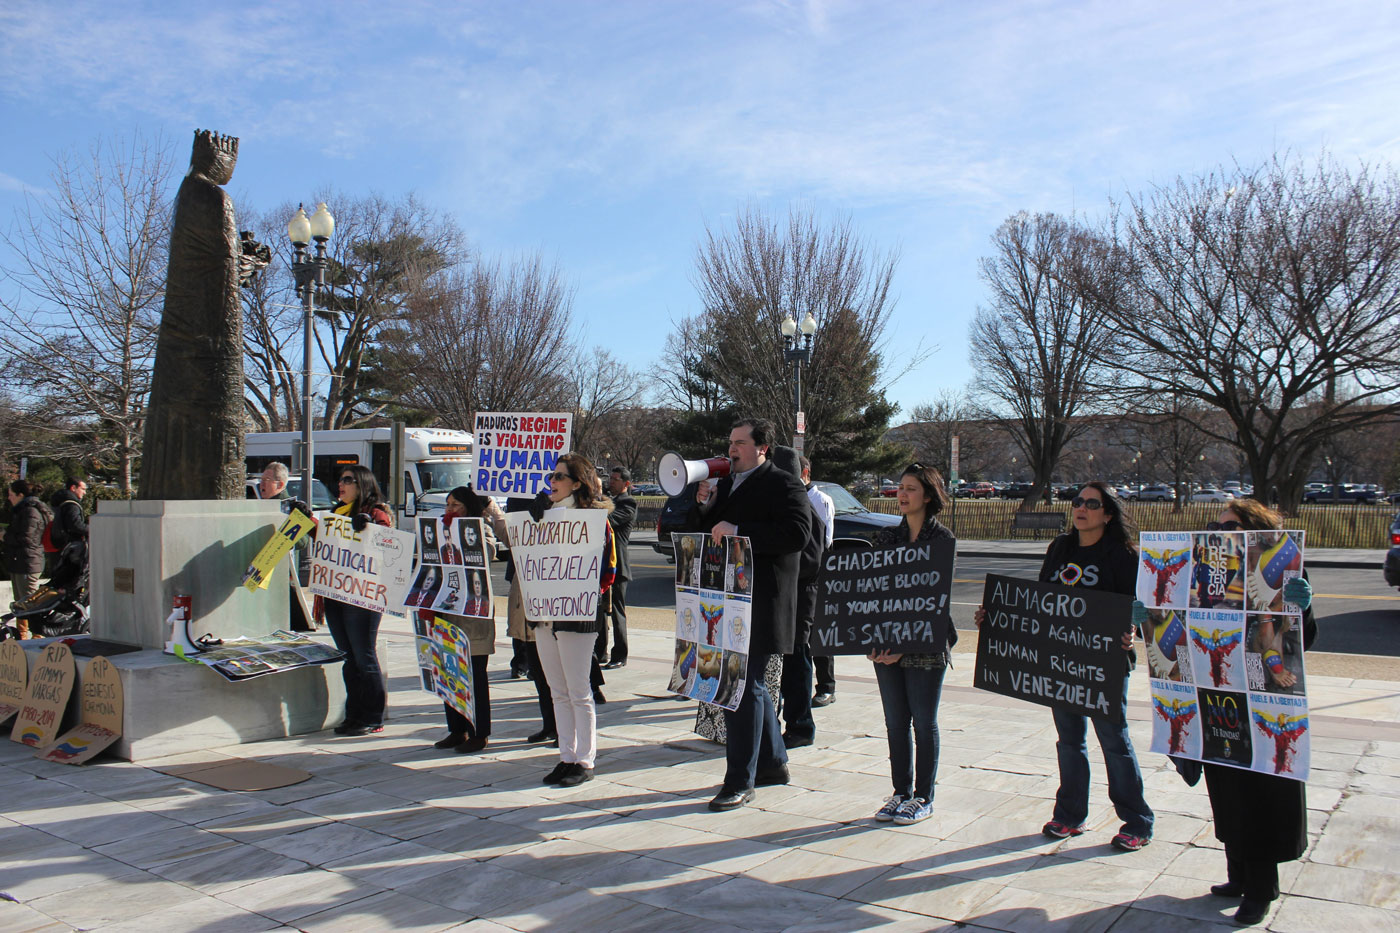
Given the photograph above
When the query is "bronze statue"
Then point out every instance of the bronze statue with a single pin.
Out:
(195, 415)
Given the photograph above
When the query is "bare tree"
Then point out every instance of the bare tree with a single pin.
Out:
(1169, 434)
(1038, 351)
(1271, 295)
(933, 425)
(602, 386)
(631, 437)
(88, 265)
(272, 334)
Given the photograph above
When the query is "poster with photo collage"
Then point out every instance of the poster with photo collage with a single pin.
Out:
(1224, 650)
(454, 573)
(714, 603)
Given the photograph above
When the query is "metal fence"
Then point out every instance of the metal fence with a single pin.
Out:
(1346, 526)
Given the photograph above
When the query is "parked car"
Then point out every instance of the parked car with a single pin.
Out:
(647, 489)
(856, 526)
(1016, 490)
(1341, 493)
(981, 490)
(1211, 494)
(1157, 493)
(321, 498)
(1392, 557)
(888, 489)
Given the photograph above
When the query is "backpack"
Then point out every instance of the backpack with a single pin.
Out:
(51, 536)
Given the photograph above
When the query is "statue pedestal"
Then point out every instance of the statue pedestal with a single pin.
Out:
(143, 553)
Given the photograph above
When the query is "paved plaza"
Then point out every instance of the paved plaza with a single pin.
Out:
(392, 834)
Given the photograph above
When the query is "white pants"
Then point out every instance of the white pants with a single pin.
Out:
(567, 658)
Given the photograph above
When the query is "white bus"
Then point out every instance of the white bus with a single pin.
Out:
(436, 460)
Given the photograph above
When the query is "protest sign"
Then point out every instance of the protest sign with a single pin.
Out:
(1054, 645)
(50, 685)
(101, 717)
(713, 614)
(14, 679)
(445, 663)
(557, 562)
(245, 658)
(516, 451)
(454, 575)
(259, 573)
(1224, 650)
(893, 598)
(371, 569)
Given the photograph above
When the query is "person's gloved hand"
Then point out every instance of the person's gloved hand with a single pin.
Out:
(1299, 592)
(359, 521)
(538, 505)
(296, 505)
(1139, 613)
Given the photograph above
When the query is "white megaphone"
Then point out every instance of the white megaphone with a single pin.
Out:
(674, 472)
(180, 643)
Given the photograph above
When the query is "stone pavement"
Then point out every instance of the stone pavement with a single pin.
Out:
(392, 834)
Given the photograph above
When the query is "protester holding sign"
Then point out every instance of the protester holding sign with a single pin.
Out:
(1099, 554)
(910, 684)
(566, 647)
(355, 629)
(1262, 819)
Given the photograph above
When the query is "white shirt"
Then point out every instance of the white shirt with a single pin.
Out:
(825, 509)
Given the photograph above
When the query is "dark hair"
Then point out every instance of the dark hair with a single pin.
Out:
(1254, 515)
(474, 504)
(806, 464)
(623, 473)
(581, 471)
(73, 482)
(932, 481)
(370, 497)
(1124, 530)
(762, 429)
(23, 487)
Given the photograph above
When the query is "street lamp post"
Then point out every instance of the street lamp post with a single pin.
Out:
(798, 351)
(309, 272)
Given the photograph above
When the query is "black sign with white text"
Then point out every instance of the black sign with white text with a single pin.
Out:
(1054, 645)
(892, 598)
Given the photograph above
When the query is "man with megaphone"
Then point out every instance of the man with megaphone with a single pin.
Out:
(769, 507)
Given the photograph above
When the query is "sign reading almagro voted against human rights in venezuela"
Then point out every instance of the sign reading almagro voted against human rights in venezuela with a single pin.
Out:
(516, 451)
(893, 598)
(557, 562)
(714, 607)
(1224, 651)
(1055, 645)
(371, 569)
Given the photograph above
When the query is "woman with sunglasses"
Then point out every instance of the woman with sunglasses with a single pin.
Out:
(355, 629)
(910, 684)
(1100, 553)
(1262, 819)
(565, 648)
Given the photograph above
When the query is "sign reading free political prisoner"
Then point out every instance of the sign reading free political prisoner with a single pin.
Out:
(1055, 645)
(372, 569)
(516, 451)
(892, 598)
(557, 562)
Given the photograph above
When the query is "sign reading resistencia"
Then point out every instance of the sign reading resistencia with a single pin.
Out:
(516, 451)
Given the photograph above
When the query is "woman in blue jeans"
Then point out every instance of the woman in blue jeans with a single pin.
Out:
(1099, 554)
(910, 684)
(355, 630)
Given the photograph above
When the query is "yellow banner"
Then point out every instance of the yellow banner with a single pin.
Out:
(259, 572)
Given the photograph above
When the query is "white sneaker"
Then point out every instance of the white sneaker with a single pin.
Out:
(913, 810)
(891, 807)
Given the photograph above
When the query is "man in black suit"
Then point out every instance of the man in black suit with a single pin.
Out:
(769, 507)
(623, 514)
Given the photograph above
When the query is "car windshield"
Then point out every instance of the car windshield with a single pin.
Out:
(846, 504)
(444, 475)
(320, 495)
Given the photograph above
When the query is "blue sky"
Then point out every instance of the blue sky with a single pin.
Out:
(606, 135)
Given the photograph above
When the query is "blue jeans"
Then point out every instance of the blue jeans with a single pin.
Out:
(1124, 778)
(910, 698)
(754, 739)
(355, 632)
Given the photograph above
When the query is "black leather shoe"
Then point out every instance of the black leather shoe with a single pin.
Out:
(731, 799)
(544, 735)
(517, 674)
(555, 776)
(1251, 911)
(614, 665)
(1228, 889)
(452, 741)
(474, 744)
(598, 698)
(360, 730)
(823, 699)
(576, 776)
(772, 777)
(346, 727)
(796, 741)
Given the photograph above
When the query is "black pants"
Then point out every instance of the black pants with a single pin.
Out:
(1258, 877)
(355, 631)
(519, 656)
(797, 678)
(618, 591)
(754, 740)
(458, 724)
(824, 669)
(546, 696)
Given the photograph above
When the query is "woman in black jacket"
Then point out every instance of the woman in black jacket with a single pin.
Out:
(23, 547)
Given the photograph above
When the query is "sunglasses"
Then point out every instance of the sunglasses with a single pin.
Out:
(1223, 526)
(1092, 505)
(557, 475)
(347, 479)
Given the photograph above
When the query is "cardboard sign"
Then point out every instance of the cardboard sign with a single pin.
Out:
(1054, 645)
(516, 451)
(893, 598)
(50, 685)
(14, 679)
(557, 562)
(372, 569)
(294, 528)
(101, 722)
(714, 612)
